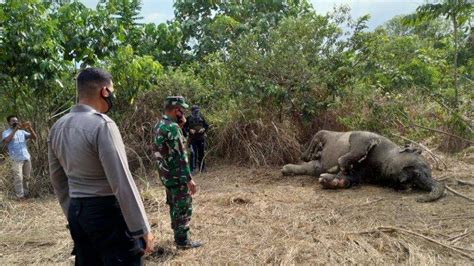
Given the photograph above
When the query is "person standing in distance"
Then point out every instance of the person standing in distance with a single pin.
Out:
(90, 176)
(196, 127)
(16, 138)
(173, 166)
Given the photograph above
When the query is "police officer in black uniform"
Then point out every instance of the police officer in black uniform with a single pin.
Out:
(195, 128)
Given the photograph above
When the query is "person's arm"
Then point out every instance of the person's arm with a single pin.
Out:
(58, 179)
(8, 138)
(29, 129)
(205, 126)
(114, 161)
(176, 139)
(159, 141)
(175, 136)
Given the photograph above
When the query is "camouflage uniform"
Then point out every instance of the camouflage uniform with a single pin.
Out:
(173, 167)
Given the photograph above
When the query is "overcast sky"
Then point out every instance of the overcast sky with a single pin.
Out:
(158, 11)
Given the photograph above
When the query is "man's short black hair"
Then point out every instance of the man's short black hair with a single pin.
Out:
(10, 117)
(91, 79)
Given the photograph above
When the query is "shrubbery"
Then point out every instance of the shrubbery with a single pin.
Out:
(267, 74)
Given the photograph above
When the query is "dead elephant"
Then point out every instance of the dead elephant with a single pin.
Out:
(344, 159)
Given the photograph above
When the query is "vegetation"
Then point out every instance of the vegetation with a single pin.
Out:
(268, 74)
(262, 68)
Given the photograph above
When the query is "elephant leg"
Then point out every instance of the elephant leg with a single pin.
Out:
(359, 148)
(332, 181)
(347, 176)
(309, 168)
(341, 179)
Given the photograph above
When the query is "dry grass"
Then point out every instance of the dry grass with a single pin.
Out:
(6, 181)
(250, 216)
(34, 185)
(256, 143)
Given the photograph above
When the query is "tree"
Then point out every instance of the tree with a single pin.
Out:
(431, 30)
(87, 34)
(459, 12)
(297, 71)
(163, 42)
(138, 75)
(209, 26)
(31, 63)
(126, 13)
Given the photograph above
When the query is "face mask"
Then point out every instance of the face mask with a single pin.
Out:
(195, 113)
(109, 99)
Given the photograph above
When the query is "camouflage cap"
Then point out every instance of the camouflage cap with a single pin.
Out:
(176, 100)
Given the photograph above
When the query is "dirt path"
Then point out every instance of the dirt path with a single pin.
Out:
(257, 216)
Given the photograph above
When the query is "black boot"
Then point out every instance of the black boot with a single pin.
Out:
(188, 244)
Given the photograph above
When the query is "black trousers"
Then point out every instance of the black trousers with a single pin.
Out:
(197, 156)
(100, 234)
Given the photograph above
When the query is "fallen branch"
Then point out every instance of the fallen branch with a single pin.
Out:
(459, 194)
(443, 178)
(466, 249)
(363, 232)
(390, 228)
(443, 132)
(456, 236)
(455, 239)
(463, 182)
(435, 158)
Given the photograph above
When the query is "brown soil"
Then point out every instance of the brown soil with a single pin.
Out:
(250, 216)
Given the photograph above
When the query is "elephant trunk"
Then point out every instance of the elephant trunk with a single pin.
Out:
(427, 183)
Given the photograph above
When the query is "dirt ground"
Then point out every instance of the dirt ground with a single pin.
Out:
(256, 216)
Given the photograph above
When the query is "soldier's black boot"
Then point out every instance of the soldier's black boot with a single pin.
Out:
(188, 244)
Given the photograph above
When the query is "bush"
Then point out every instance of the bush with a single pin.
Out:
(258, 143)
(462, 135)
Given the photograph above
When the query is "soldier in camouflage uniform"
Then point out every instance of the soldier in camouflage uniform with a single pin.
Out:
(173, 167)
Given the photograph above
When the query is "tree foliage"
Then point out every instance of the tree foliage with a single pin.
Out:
(245, 61)
(209, 26)
(459, 13)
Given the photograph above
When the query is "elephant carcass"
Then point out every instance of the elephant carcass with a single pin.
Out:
(343, 159)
